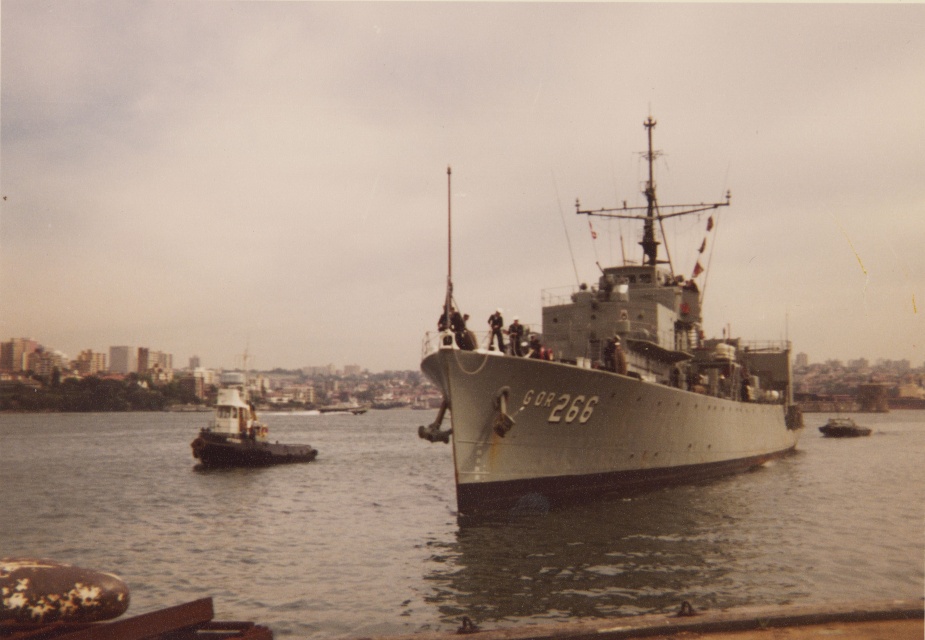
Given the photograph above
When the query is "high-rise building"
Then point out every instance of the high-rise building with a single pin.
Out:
(144, 360)
(90, 363)
(150, 359)
(14, 354)
(194, 383)
(801, 360)
(123, 359)
(43, 363)
(194, 363)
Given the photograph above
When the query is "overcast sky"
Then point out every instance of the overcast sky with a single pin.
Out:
(205, 177)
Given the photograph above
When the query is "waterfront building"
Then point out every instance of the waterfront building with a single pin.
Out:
(43, 363)
(194, 384)
(123, 359)
(14, 354)
(90, 363)
(152, 360)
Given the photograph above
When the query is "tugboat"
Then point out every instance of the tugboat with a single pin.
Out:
(236, 438)
(843, 428)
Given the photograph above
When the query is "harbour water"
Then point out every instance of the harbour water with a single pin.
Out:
(365, 540)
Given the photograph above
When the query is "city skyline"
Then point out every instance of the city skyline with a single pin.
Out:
(214, 177)
(123, 363)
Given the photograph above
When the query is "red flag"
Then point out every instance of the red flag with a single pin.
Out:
(709, 223)
(697, 270)
(703, 245)
(593, 232)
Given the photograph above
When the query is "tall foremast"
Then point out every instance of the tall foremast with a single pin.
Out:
(649, 243)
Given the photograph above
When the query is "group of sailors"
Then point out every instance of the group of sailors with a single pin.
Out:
(465, 339)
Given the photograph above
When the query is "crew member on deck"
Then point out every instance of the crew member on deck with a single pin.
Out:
(516, 331)
(443, 324)
(610, 354)
(458, 324)
(619, 357)
(496, 323)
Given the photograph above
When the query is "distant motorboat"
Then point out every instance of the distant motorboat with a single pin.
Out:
(293, 412)
(345, 407)
(843, 428)
(396, 403)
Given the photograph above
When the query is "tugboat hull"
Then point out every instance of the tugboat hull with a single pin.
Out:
(215, 451)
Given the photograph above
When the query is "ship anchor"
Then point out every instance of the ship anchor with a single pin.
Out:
(432, 432)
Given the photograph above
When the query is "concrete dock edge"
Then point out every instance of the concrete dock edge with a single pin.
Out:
(700, 623)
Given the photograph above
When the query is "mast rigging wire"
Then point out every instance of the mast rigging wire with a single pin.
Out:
(568, 240)
(706, 275)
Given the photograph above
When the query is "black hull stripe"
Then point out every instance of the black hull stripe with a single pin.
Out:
(215, 451)
(477, 498)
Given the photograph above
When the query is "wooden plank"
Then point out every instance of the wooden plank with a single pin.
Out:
(149, 625)
(217, 630)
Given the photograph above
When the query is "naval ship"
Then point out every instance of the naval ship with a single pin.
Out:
(572, 421)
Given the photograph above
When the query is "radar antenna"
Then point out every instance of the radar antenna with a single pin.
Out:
(653, 211)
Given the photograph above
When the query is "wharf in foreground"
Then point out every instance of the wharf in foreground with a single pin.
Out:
(189, 621)
(894, 619)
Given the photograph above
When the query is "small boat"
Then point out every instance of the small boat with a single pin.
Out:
(843, 428)
(391, 403)
(236, 438)
(345, 407)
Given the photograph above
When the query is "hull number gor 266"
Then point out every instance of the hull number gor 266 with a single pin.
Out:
(563, 407)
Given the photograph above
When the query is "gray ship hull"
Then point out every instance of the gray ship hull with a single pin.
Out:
(575, 432)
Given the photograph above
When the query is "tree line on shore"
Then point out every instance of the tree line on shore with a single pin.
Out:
(93, 394)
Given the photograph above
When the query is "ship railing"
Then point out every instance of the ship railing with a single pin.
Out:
(434, 340)
(558, 296)
(765, 346)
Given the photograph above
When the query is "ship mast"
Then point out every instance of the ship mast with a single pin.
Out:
(449, 244)
(652, 209)
(649, 243)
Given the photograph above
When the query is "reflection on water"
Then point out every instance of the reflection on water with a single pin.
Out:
(620, 557)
